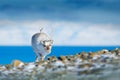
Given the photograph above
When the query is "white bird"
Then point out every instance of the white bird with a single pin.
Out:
(41, 44)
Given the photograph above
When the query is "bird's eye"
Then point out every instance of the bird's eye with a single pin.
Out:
(44, 45)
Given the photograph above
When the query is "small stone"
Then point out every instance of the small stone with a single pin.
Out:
(17, 64)
(116, 51)
(91, 55)
(104, 51)
(49, 58)
(85, 65)
(53, 58)
(62, 58)
(77, 55)
(8, 66)
(2, 67)
(41, 62)
(83, 55)
(58, 63)
(30, 67)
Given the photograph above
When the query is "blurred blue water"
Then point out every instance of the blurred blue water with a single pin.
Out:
(26, 54)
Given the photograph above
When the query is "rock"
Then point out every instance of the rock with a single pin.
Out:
(104, 51)
(17, 64)
(29, 67)
(40, 63)
(62, 58)
(8, 66)
(91, 55)
(85, 65)
(2, 67)
(70, 58)
(53, 58)
(96, 57)
(84, 55)
(77, 55)
(80, 66)
(58, 63)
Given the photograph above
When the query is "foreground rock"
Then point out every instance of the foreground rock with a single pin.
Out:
(100, 65)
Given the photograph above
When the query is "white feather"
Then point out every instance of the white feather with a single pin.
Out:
(40, 42)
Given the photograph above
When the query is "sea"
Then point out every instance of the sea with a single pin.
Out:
(26, 54)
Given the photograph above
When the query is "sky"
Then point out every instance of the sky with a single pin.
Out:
(68, 22)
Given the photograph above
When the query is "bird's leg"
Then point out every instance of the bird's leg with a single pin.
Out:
(37, 60)
(42, 58)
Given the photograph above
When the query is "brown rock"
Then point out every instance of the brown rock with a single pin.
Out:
(62, 58)
(53, 58)
(17, 63)
(83, 55)
(91, 54)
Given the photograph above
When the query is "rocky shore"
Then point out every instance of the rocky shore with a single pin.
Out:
(100, 65)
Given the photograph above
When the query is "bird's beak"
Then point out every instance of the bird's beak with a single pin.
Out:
(47, 48)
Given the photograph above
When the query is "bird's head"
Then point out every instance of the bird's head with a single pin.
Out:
(47, 44)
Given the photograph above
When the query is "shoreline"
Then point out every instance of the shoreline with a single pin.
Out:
(94, 65)
(26, 54)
